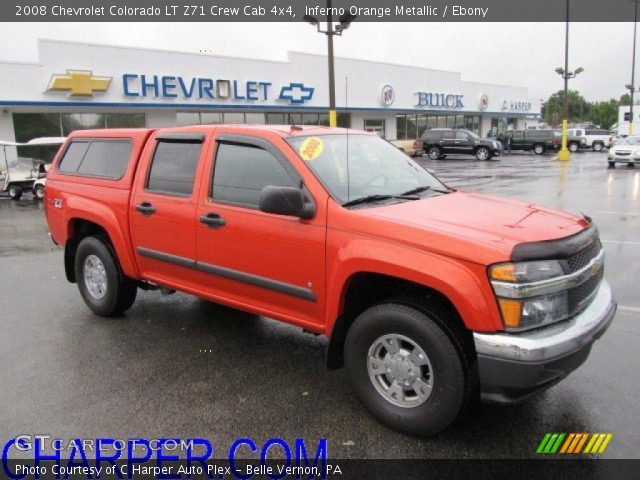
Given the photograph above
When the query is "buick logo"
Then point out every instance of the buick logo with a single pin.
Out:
(484, 101)
(387, 95)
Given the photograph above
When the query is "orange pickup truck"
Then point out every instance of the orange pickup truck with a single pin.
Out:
(430, 296)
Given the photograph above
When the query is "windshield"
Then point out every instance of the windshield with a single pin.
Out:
(628, 141)
(356, 166)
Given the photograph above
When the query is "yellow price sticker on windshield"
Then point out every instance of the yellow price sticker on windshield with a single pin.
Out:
(311, 148)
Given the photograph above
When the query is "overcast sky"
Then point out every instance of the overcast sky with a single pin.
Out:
(520, 54)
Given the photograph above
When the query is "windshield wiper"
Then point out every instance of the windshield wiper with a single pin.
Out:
(424, 188)
(367, 199)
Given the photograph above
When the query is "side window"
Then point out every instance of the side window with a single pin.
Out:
(173, 167)
(97, 158)
(241, 172)
(462, 135)
(448, 134)
(73, 157)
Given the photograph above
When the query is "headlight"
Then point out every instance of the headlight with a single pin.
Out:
(515, 285)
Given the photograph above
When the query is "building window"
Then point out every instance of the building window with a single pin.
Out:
(401, 127)
(211, 118)
(343, 119)
(275, 119)
(324, 119)
(256, 118)
(28, 126)
(374, 125)
(234, 117)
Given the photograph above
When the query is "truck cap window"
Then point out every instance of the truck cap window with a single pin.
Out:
(356, 166)
(173, 167)
(241, 172)
(96, 158)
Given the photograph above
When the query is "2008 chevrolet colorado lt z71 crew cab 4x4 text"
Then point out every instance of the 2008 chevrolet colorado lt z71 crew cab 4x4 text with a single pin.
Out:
(429, 295)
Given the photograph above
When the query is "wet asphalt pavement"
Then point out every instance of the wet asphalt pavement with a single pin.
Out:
(178, 366)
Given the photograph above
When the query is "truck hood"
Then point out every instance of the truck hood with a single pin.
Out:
(458, 223)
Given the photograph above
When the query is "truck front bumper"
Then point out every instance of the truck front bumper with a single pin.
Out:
(514, 366)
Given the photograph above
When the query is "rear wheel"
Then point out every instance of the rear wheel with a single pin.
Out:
(573, 147)
(538, 149)
(597, 147)
(38, 192)
(15, 192)
(434, 153)
(406, 369)
(612, 164)
(483, 153)
(103, 286)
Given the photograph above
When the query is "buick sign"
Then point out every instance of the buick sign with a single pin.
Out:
(387, 95)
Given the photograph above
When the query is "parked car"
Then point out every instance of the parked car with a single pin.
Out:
(596, 139)
(626, 150)
(413, 148)
(427, 294)
(541, 141)
(438, 142)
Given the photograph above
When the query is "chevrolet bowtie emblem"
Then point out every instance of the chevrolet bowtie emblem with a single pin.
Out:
(79, 83)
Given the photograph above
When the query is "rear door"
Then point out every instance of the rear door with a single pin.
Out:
(163, 208)
(449, 142)
(463, 142)
(270, 263)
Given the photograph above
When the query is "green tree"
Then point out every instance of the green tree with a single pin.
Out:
(625, 99)
(553, 110)
(604, 113)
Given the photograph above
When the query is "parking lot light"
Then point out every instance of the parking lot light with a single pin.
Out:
(344, 23)
(632, 86)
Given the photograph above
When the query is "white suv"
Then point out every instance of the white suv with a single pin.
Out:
(595, 139)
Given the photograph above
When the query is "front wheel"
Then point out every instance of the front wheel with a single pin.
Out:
(38, 192)
(15, 192)
(405, 369)
(482, 153)
(612, 164)
(597, 147)
(538, 149)
(103, 286)
(573, 147)
(434, 153)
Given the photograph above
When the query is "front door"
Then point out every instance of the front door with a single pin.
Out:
(269, 263)
(163, 210)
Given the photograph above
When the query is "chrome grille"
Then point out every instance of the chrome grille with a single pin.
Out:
(583, 257)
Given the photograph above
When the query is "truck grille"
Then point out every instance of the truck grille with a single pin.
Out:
(583, 257)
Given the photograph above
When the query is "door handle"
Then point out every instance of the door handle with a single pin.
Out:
(213, 220)
(146, 209)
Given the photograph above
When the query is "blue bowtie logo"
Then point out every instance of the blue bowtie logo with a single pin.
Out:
(296, 93)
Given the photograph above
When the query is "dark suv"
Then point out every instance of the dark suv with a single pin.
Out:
(440, 141)
(542, 140)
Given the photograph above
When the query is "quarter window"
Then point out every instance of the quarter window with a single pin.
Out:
(241, 172)
(173, 167)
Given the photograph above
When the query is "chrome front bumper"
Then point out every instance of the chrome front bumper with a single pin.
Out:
(513, 366)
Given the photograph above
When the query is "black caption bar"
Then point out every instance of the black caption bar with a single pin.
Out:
(295, 10)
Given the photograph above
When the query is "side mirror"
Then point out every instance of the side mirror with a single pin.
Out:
(282, 200)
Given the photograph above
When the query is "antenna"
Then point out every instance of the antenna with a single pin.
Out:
(346, 104)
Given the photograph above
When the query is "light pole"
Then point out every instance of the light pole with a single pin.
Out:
(345, 21)
(632, 86)
(564, 154)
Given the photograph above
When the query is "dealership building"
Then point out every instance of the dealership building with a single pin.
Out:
(80, 85)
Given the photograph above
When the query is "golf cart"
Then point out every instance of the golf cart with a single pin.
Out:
(26, 174)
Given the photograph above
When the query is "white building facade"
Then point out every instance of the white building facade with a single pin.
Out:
(78, 86)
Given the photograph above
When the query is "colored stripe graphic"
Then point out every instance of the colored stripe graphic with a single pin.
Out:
(574, 443)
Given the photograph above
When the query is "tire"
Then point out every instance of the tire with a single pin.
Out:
(597, 147)
(15, 192)
(538, 149)
(612, 164)
(38, 192)
(434, 153)
(574, 147)
(483, 153)
(111, 292)
(448, 369)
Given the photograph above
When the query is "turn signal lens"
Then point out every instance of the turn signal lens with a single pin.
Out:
(505, 272)
(511, 310)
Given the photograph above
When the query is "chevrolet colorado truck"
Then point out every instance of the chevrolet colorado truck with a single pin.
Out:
(429, 296)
